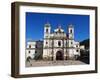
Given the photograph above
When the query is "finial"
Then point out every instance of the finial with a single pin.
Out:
(59, 26)
(70, 25)
(47, 24)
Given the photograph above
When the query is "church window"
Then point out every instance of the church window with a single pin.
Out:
(77, 50)
(29, 46)
(71, 31)
(29, 51)
(71, 42)
(67, 36)
(46, 30)
(59, 43)
(35, 51)
(76, 45)
(46, 42)
(36, 46)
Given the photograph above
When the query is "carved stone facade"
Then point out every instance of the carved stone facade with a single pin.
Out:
(59, 45)
(56, 45)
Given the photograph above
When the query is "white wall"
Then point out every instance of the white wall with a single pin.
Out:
(5, 40)
(31, 54)
(32, 44)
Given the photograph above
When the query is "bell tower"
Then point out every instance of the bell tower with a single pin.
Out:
(47, 30)
(46, 42)
(71, 41)
(71, 35)
(71, 31)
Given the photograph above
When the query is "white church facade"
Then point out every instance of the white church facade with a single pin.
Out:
(56, 45)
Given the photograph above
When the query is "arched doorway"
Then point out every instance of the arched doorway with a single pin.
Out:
(59, 55)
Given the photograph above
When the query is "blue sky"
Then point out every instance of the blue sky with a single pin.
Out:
(35, 24)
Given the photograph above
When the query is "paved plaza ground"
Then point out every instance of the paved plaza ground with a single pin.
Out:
(34, 63)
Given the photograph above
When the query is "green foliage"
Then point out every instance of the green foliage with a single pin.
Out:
(85, 43)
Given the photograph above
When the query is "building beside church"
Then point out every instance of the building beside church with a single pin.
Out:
(56, 45)
(34, 49)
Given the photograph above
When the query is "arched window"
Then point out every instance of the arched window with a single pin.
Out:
(46, 30)
(29, 51)
(76, 45)
(35, 46)
(59, 43)
(71, 42)
(35, 51)
(29, 46)
(46, 42)
(71, 31)
(77, 50)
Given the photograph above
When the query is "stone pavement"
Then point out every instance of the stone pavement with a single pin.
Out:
(38, 63)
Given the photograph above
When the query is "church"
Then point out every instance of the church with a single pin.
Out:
(56, 45)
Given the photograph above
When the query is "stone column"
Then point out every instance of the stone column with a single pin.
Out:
(54, 56)
(64, 54)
